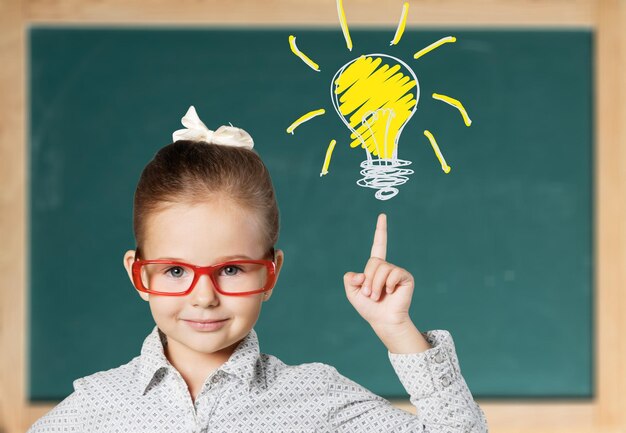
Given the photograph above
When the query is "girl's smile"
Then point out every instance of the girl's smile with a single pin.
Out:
(210, 325)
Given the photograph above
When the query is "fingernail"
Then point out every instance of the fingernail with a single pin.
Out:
(366, 291)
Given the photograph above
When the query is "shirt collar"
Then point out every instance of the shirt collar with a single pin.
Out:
(152, 360)
(241, 364)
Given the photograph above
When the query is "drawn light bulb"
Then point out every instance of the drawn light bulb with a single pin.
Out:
(375, 95)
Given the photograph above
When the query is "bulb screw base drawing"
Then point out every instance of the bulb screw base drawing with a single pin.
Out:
(384, 175)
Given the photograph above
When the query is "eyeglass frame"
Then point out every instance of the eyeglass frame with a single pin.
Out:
(204, 270)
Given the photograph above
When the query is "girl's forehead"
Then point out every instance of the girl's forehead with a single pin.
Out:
(214, 228)
(212, 205)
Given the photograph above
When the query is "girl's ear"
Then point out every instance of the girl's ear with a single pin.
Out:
(129, 258)
(279, 259)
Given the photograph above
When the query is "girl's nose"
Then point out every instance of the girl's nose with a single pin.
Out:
(204, 293)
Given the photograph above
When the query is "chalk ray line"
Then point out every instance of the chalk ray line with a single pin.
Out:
(304, 118)
(401, 24)
(434, 45)
(455, 103)
(344, 24)
(303, 57)
(329, 153)
(444, 166)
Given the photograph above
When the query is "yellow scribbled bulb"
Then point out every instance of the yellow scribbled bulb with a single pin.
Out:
(375, 95)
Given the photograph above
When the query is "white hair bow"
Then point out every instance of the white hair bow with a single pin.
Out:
(196, 130)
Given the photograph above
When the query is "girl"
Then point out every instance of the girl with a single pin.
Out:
(205, 223)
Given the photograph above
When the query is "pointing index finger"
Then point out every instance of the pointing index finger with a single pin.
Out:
(379, 247)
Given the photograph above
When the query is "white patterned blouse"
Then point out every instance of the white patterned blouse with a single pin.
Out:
(256, 392)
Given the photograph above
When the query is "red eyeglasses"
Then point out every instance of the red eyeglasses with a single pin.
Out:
(175, 278)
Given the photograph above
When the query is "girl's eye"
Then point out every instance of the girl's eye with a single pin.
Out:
(175, 271)
(230, 271)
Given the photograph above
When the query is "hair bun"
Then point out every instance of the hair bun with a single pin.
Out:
(196, 130)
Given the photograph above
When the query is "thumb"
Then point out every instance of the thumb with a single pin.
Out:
(353, 281)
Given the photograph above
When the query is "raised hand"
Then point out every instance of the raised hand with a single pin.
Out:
(382, 294)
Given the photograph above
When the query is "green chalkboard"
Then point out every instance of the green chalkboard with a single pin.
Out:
(501, 247)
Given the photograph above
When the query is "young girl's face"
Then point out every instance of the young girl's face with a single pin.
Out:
(204, 234)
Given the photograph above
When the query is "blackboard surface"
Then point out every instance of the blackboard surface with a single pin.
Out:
(501, 248)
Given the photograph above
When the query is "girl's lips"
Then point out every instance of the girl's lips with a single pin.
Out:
(206, 325)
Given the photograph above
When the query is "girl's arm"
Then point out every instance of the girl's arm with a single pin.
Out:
(426, 364)
(436, 387)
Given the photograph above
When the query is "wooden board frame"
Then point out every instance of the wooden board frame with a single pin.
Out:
(605, 413)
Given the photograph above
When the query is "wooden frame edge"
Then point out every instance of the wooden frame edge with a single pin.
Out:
(607, 17)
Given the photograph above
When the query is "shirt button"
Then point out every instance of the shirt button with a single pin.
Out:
(438, 358)
(445, 380)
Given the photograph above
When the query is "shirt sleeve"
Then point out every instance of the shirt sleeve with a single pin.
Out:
(436, 388)
(67, 416)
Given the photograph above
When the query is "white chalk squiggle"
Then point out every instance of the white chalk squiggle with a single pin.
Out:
(384, 175)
